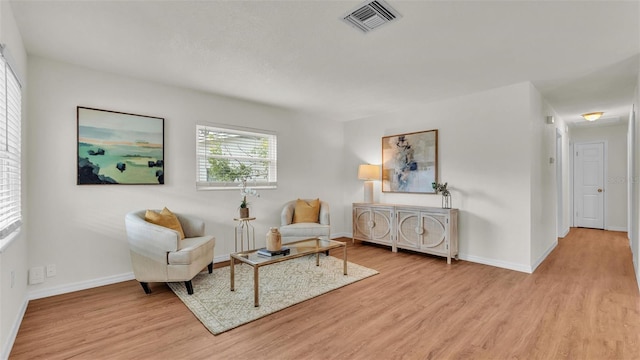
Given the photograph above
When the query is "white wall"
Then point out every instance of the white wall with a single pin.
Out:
(485, 150)
(561, 128)
(81, 228)
(616, 197)
(543, 178)
(13, 257)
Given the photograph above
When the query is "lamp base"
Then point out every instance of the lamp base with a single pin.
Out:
(368, 191)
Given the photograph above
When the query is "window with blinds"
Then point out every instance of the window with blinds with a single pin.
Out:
(10, 129)
(227, 156)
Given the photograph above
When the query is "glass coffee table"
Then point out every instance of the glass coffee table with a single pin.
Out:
(297, 249)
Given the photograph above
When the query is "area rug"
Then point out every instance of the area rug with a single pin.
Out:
(281, 285)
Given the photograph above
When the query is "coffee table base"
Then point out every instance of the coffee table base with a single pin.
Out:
(256, 267)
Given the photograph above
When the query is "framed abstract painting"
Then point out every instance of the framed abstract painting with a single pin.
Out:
(410, 162)
(119, 148)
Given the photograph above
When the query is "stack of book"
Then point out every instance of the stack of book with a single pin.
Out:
(269, 253)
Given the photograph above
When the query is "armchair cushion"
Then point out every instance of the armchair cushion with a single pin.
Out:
(165, 218)
(190, 250)
(306, 211)
(304, 231)
(318, 227)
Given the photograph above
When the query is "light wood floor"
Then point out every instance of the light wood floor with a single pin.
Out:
(581, 303)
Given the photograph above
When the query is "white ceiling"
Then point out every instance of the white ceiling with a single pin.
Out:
(582, 55)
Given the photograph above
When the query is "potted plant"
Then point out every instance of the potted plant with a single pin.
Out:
(446, 195)
(244, 204)
(244, 210)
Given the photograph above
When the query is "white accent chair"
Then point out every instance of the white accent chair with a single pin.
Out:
(299, 231)
(158, 254)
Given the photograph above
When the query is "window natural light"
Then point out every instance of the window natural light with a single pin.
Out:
(10, 130)
(227, 156)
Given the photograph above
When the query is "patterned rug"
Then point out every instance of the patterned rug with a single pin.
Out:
(281, 285)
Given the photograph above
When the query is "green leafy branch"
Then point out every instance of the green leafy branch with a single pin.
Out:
(440, 188)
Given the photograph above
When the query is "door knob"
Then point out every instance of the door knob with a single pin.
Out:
(599, 190)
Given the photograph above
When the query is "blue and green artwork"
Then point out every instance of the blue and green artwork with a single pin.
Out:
(119, 148)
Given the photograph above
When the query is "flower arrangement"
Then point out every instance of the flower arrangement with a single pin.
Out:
(446, 195)
(246, 191)
(441, 188)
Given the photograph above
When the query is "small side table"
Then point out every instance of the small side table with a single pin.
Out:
(243, 228)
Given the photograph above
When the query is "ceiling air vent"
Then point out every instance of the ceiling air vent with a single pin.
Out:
(371, 15)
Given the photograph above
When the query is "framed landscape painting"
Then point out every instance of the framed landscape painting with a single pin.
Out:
(410, 162)
(119, 148)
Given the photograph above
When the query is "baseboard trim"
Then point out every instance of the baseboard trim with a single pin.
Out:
(565, 232)
(617, 228)
(544, 256)
(485, 261)
(221, 258)
(497, 263)
(81, 285)
(635, 269)
(341, 235)
(11, 339)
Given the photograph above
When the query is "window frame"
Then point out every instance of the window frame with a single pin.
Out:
(10, 151)
(203, 164)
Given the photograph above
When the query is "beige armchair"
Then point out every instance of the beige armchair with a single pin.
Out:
(158, 254)
(299, 231)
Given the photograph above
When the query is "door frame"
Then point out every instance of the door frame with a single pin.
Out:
(559, 188)
(605, 162)
(632, 217)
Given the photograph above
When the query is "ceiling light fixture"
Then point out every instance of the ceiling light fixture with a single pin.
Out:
(592, 116)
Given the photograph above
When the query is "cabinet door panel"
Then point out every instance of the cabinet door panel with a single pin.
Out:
(433, 232)
(382, 225)
(409, 229)
(362, 220)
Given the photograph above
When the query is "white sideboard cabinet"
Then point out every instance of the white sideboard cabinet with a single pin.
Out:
(424, 229)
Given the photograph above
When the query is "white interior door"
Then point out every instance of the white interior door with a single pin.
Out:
(589, 185)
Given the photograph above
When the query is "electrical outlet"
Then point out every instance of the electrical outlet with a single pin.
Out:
(51, 270)
(36, 275)
(13, 278)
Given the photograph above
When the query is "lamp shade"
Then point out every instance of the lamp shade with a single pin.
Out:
(592, 116)
(369, 172)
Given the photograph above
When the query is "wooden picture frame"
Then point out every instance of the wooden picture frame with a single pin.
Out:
(119, 148)
(410, 162)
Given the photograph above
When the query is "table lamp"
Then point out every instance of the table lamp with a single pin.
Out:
(369, 173)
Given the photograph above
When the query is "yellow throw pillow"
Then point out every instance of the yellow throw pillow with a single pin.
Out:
(306, 211)
(165, 218)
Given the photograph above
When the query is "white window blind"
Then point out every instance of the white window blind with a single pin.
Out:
(227, 156)
(10, 134)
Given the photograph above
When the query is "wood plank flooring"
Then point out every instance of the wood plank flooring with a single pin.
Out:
(581, 303)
